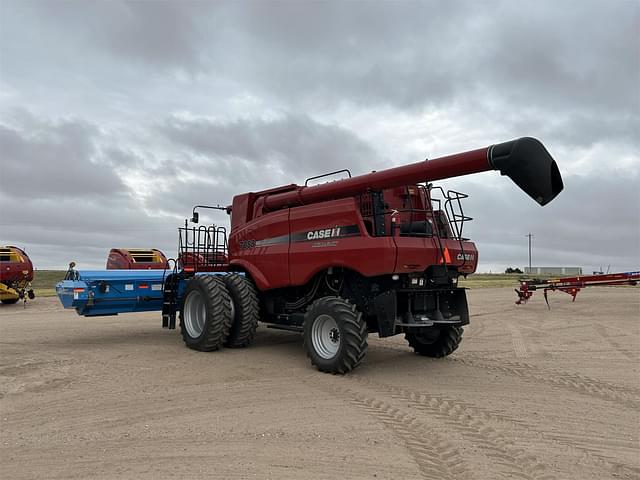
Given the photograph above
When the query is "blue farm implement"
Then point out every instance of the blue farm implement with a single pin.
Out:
(109, 292)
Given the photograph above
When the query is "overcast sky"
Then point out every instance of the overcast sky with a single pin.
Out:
(117, 117)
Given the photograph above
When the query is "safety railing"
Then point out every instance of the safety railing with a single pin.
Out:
(202, 248)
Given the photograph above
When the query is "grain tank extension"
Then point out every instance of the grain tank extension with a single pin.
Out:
(376, 253)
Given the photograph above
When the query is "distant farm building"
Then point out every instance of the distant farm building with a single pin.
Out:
(553, 271)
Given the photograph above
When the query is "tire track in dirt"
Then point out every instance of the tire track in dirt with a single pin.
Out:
(572, 381)
(537, 347)
(38, 376)
(472, 423)
(466, 412)
(620, 394)
(436, 458)
(602, 331)
(478, 328)
(12, 370)
(628, 396)
(588, 452)
(486, 414)
(519, 347)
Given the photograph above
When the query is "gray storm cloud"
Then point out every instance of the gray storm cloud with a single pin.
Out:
(116, 117)
(43, 159)
(292, 142)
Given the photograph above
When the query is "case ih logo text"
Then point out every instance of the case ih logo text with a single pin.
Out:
(465, 256)
(341, 231)
(326, 233)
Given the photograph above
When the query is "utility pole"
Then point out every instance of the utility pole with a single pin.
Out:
(529, 235)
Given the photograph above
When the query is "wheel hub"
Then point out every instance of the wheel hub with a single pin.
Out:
(334, 335)
(325, 336)
(195, 313)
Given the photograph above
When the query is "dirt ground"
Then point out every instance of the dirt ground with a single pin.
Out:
(531, 393)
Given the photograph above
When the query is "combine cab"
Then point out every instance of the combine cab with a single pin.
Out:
(136, 259)
(16, 274)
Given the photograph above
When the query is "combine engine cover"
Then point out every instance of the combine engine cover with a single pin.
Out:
(16, 274)
(136, 259)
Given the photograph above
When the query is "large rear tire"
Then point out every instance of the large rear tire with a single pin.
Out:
(205, 316)
(246, 311)
(435, 343)
(335, 335)
(10, 301)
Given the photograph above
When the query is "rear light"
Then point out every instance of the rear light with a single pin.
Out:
(143, 285)
(78, 290)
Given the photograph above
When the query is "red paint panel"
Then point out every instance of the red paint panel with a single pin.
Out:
(415, 254)
(267, 262)
(436, 169)
(122, 258)
(362, 253)
(14, 270)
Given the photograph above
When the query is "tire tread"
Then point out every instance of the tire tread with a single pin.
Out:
(247, 310)
(219, 313)
(446, 344)
(354, 334)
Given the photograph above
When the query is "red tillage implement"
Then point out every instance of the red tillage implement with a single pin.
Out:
(572, 285)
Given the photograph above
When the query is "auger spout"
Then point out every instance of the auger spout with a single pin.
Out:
(525, 160)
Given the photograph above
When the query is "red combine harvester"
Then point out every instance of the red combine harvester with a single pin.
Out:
(380, 252)
(136, 259)
(572, 285)
(16, 274)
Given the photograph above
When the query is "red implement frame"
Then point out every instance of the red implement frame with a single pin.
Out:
(572, 285)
